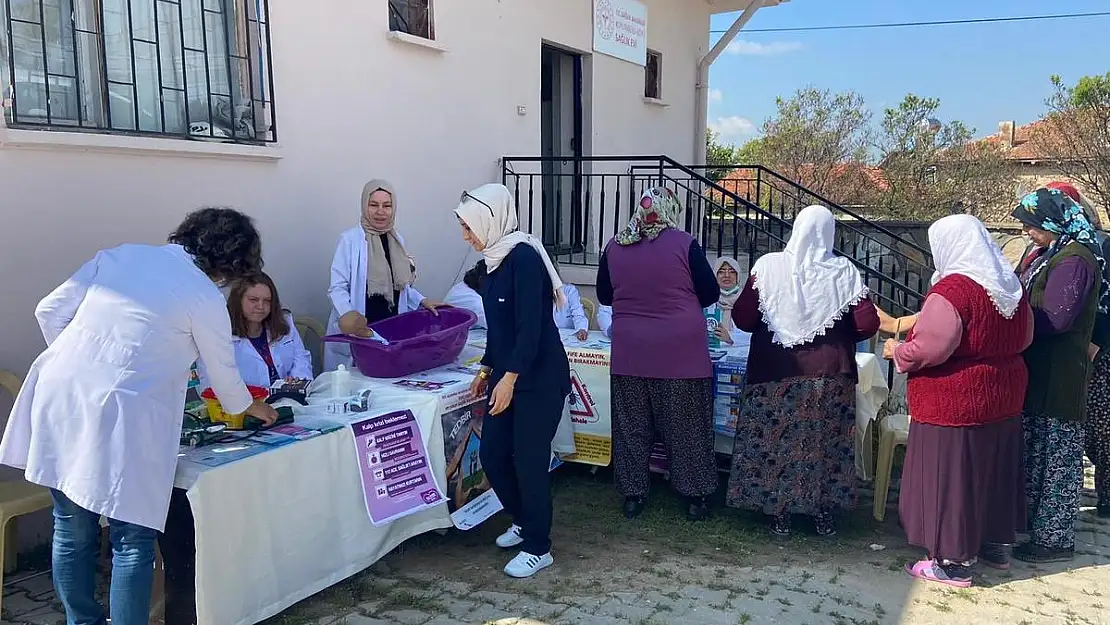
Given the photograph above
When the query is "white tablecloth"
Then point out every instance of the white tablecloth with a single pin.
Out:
(278, 527)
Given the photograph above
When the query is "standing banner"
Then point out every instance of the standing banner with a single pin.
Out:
(397, 479)
(589, 403)
(470, 499)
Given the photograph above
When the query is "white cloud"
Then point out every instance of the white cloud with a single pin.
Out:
(715, 95)
(752, 48)
(733, 126)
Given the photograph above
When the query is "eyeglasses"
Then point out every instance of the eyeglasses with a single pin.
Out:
(467, 196)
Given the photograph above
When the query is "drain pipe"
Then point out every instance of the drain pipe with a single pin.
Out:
(701, 87)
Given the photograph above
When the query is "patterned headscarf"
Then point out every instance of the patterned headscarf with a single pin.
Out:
(658, 210)
(1053, 211)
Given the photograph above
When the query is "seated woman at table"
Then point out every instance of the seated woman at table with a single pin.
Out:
(605, 319)
(371, 274)
(527, 366)
(963, 490)
(727, 270)
(806, 309)
(267, 346)
(468, 293)
(573, 314)
(657, 279)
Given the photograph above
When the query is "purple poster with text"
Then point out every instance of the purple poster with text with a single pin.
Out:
(396, 478)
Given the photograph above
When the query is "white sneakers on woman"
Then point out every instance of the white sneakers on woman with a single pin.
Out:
(511, 537)
(527, 565)
(524, 564)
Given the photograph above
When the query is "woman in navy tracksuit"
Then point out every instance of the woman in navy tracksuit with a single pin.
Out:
(527, 367)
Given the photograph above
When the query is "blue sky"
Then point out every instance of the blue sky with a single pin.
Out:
(982, 73)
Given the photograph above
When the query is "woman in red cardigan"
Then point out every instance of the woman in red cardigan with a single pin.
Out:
(962, 495)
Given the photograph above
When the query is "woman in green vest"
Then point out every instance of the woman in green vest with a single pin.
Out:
(1063, 274)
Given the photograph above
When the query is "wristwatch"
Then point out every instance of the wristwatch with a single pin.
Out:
(484, 373)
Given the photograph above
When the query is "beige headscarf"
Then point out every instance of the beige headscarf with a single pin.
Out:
(383, 277)
(728, 297)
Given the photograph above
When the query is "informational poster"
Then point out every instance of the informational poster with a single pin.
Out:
(589, 406)
(467, 485)
(397, 479)
(712, 322)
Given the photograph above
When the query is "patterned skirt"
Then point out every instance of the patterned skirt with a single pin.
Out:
(794, 448)
(1097, 439)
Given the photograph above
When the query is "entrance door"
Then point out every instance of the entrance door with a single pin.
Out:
(561, 141)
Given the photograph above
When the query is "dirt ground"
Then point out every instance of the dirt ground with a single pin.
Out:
(661, 569)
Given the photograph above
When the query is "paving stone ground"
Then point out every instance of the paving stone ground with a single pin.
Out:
(661, 569)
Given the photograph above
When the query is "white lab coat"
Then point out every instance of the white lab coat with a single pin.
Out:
(99, 417)
(348, 291)
(573, 315)
(605, 319)
(290, 357)
(462, 296)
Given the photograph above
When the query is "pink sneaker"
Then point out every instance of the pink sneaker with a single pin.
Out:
(930, 571)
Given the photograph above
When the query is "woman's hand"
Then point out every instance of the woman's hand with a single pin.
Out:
(888, 348)
(431, 305)
(355, 324)
(582, 335)
(502, 394)
(263, 411)
(723, 334)
(1092, 351)
(480, 383)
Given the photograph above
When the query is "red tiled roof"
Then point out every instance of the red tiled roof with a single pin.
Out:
(1025, 147)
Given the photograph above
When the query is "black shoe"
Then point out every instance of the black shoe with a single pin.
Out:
(825, 524)
(697, 509)
(780, 526)
(1036, 554)
(633, 507)
(995, 556)
(1103, 510)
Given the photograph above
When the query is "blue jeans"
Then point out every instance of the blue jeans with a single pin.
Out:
(75, 551)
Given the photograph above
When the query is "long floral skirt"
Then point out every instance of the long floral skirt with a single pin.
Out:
(1097, 424)
(794, 447)
(1054, 478)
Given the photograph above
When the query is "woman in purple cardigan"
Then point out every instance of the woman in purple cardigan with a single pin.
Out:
(658, 280)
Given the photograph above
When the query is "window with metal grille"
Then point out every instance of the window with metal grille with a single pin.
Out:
(196, 69)
(653, 75)
(413, 17)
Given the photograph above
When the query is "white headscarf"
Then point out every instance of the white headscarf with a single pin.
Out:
(961, 245)
(728, 298)
(490, 214)
(805, 289)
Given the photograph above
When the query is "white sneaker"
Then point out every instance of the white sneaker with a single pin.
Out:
(527, 565)
(511, 537)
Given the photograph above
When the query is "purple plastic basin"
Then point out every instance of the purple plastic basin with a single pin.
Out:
(418, 341)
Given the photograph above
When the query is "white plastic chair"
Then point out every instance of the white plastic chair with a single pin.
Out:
(894, 431)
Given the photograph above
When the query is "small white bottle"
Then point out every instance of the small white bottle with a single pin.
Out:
(342, 386)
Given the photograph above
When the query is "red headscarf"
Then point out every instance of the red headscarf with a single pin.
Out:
(1067, 189)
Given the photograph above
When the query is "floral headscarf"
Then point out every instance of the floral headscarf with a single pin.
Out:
(1053, 211)
(658, 210)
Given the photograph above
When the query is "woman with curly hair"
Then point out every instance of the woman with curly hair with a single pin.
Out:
(99, 418)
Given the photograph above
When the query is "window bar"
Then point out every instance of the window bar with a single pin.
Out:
(76, 66)
(184, 66)
(158, 53)
(11, 60)
(45, 64)
(134, 72)
(269, 74)
(102, 62)
(228, 25)
(207, 69)
(250, 62)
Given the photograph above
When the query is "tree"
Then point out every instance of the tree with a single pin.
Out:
(931, 170)
(718, 154)
(820, 139)
(1075, 136)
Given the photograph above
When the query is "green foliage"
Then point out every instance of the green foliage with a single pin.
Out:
(718, 154)
(1076, 134)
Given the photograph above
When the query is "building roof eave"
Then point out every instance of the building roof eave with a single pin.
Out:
(727, 6)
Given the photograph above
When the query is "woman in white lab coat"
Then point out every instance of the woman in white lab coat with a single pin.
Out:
(728, 279)
(467, 294)
(267, 346)
(605, 320)
(98, 420)
(371, 274)
(573, 315)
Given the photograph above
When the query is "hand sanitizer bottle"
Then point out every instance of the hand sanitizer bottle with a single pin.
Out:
(342, 387)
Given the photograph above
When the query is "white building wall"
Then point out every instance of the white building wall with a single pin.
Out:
(351, 104)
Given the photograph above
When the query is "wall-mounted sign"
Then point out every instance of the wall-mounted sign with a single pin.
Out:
(620, 30)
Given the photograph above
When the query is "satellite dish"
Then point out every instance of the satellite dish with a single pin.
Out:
(930, 124)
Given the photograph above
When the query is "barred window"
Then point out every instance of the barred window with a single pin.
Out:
(653, 75)
(197, 69)
(413, 17)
